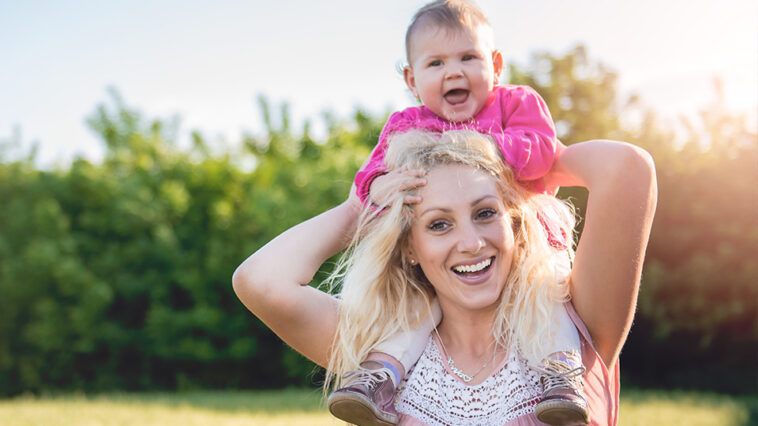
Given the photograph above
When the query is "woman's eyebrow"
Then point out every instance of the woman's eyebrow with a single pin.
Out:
(479, 200)
(448, 210)
(442, 209)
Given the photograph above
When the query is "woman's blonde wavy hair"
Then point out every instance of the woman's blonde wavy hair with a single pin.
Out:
(382, 294)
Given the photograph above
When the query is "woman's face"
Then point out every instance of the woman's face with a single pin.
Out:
(462, 237)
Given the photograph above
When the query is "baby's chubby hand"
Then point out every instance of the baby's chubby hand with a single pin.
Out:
(403, 179)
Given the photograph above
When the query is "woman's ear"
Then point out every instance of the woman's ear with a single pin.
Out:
(410, 80)
(408, 254)
(411, 258)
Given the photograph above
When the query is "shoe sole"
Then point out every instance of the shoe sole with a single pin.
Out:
(559, 413)
(357, 409)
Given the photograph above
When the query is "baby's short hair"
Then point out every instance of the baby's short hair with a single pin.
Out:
(448, 14)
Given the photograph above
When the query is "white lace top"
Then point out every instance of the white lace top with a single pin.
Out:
(431, 395)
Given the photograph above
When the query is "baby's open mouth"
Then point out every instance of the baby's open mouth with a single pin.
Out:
(475, 269)
(456, 96)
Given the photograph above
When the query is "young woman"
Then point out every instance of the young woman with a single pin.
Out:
(479, 243)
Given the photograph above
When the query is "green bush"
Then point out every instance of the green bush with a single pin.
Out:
(118, 275)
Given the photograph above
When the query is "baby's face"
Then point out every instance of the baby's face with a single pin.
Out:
(452, 71)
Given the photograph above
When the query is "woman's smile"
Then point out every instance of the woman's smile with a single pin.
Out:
(474, 273)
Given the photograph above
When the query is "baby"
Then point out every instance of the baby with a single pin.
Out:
(453, 69)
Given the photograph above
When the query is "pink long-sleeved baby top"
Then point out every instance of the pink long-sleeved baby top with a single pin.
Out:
(516, 117)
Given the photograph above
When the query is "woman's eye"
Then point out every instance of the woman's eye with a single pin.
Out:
(437, 226)
(486, 214)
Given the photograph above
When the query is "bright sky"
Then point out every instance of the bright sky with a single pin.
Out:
(207, 61)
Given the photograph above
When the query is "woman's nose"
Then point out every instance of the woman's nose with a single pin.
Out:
(470, 241)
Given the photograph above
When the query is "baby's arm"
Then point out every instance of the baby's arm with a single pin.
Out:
(374, 166)
(528, 140)
(371, 170)
(374, 184)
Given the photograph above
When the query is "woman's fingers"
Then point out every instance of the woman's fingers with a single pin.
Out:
(412, 183)
(412, 199)
(416, 172)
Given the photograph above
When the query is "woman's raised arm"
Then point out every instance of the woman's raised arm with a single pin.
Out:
(273, 281)
(608, 264)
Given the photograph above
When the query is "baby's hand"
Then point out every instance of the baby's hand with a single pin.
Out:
(402, 179)
(556, 177)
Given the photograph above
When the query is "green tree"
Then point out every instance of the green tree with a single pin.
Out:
(698, 301)
(580, 93)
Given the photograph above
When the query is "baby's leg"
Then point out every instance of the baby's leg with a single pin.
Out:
(402, 350)
(566, 346)
(563, 401)
(369, 394)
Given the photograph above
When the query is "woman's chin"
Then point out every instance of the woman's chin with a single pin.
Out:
(479, 294)
(482, 300)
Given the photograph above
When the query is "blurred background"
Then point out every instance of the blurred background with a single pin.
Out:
(147, 148)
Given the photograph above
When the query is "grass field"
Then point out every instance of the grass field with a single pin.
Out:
(303, 407)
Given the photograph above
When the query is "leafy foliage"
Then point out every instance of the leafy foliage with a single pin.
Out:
(118, 275)
(699, 302)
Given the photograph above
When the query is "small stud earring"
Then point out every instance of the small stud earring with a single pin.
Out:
(413, 262)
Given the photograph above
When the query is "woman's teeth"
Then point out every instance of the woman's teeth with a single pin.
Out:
(473, 268)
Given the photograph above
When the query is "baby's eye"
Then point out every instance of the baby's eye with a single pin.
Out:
(435, 63)
(467, 57)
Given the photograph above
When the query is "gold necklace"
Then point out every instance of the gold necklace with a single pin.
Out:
(465, 377)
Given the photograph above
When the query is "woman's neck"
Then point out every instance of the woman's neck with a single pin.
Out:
(467, 333)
